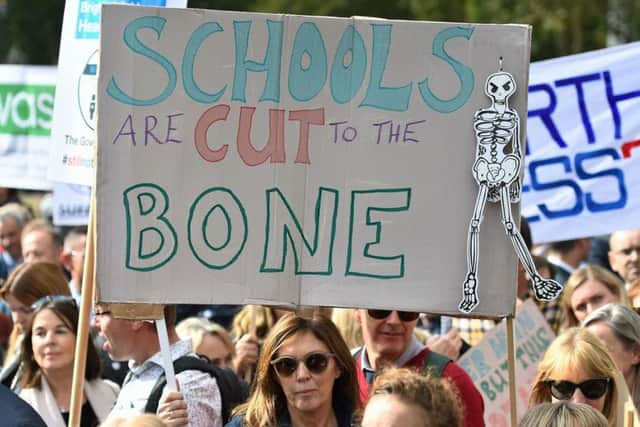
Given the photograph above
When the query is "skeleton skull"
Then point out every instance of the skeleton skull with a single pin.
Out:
(500, 86)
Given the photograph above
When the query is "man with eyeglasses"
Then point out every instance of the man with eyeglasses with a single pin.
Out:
(389, 340)
(137, 342)
(624, 254)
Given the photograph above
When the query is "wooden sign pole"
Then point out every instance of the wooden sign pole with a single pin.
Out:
(83, 336)
(511, 352)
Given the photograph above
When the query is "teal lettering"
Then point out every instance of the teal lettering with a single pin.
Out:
(151, 239)
(217, 212)
(385, 98)
(190, 52)
(368, 236)
(318, 256)
(486, 388)
(308, 65)
(463, 72)
(155, 23)
(271, 63)
(498, 343)
(346, 79)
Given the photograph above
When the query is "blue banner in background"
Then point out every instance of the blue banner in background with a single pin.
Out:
(583, 127)
(88, 22)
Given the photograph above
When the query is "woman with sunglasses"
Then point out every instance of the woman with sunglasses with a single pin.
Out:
(305, 378)
(24, 286)
(47, 359)
(578, 368)
(618, 327)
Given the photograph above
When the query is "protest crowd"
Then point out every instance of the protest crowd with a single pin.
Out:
(267, 366)
(350, 145)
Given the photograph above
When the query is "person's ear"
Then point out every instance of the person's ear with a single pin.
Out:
(358, 315)
(65, 260)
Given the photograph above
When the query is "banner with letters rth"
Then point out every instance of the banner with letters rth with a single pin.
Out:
(583, 155)
(289, 159)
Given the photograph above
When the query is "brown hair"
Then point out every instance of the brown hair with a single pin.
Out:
(267, 398)
(581, 275)
(435, 397)
(29, 282)
(66, 310)
(32, 280)
(578, 349)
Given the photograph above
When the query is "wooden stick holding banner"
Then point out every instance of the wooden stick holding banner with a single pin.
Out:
(82, 336)
(511, 352)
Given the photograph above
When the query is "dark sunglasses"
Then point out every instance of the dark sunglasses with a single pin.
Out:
(591, 389)
(405, 316)
(50, 299)
(316, 363)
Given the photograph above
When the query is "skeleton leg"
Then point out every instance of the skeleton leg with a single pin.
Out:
(469, 287)
(544, 289)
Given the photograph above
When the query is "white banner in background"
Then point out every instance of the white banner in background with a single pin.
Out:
(71, 204)
(583, 160)
(297, 160)
(26, 113)
(72, 137)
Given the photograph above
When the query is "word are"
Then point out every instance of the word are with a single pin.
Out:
(217, 231)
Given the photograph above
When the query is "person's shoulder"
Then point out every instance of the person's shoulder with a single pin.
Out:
(104, 386)
(16, 411)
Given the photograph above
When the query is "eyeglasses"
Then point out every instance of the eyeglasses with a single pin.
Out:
(405, 316)
(591, 389)
(50, 299)
(316, 363)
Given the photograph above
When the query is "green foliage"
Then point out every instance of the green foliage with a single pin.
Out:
(560, 27)
(34, 27)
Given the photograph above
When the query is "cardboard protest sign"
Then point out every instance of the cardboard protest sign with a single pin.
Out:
(582, 155)
(296, 160)
(72, 138)
(26, 110)
(486, 363)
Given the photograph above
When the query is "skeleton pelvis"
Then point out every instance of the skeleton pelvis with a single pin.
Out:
(496, 174)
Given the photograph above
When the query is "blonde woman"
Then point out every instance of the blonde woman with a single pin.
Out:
(578, 368)
(587, 289)
(563, 414)
(209, 339)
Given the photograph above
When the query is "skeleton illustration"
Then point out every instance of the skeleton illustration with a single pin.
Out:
(497, 173)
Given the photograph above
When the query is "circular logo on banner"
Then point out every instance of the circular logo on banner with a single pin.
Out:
(87, 86)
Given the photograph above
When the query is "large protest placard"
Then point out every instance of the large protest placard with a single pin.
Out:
(583, 132)
(297, 160)
(487, 363)
(73, 134)
(26, 113)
